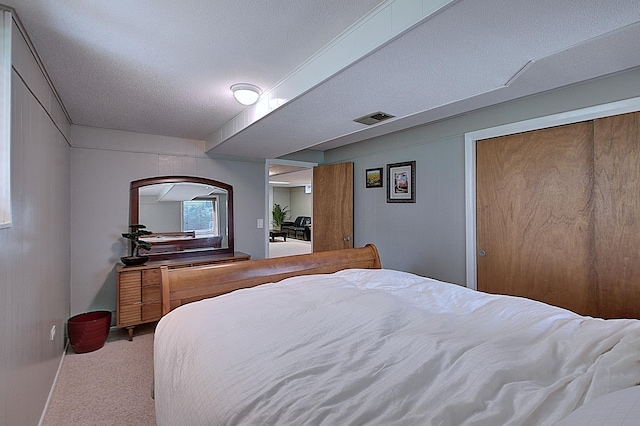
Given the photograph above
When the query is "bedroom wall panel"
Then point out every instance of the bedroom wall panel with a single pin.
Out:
(34, 251)
(428, 237)
(103, 163)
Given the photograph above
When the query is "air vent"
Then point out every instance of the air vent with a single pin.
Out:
(374, 118)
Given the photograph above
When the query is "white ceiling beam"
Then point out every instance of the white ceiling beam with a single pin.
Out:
(383, 24)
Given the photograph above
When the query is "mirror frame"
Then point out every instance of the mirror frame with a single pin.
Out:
(134, 212)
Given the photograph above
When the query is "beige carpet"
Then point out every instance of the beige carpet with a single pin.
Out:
(110, 386)
(287, 248)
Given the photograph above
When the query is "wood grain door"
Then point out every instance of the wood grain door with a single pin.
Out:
(332, 223)
(534, 208)
(617, 215)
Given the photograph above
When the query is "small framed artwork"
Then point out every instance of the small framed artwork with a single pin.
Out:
(374, 178)
(401, 182)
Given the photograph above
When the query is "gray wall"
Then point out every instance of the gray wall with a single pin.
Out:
(428, 237)
(301, 203)
(279, 195)
(160, 217)
(34, 251)
(70, 206)
(298, 203)
(103, 163)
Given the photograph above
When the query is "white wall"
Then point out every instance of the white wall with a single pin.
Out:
(428, 237)
(34, 251)
(103, 163)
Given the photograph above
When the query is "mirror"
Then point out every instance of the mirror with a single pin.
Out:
(189, 216)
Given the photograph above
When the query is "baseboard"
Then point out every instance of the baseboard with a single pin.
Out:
(53, 386)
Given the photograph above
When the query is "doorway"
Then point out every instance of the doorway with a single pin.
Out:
(289, 184)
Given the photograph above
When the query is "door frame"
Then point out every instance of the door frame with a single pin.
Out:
(267, 207)
(553, 120)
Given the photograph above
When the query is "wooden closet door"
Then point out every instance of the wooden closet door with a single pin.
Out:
(533, 215)
(617, 215)
(332, 223)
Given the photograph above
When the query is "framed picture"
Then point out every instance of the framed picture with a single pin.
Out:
(374, 178)
(401, 182)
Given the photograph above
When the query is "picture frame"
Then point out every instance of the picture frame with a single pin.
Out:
(373, 177)
(401, 182)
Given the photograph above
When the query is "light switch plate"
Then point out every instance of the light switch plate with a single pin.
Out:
(260, 223)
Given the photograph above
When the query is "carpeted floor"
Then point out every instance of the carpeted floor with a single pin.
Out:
(287, 248)
(110, 386)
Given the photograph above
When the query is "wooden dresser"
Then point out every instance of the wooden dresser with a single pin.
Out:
(139, 288)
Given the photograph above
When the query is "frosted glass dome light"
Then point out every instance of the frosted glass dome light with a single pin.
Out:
(246, 94)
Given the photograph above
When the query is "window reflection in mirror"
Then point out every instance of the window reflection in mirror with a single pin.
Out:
(201, 216)
(187, 215)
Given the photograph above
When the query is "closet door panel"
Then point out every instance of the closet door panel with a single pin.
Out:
(533, 215)
(617, 215)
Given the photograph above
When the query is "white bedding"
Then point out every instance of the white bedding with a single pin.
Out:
(383, 347)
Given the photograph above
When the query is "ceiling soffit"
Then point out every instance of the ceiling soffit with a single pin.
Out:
(484, 56)
(377, 28)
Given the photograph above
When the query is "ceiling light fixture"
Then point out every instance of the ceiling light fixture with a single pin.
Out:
(246, 94)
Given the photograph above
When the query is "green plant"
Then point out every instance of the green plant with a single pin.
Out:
(279, 215)
(135, 232)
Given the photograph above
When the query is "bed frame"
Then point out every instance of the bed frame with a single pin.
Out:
(184, 285)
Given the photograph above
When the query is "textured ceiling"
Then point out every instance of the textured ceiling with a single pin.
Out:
(165, 67)
(472, 54)
(288, 176)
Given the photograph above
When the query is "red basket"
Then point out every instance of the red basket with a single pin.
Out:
(89, 331)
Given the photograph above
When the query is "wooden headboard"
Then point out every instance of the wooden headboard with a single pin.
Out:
(184, 285)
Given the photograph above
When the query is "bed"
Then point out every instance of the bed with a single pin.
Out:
(302, 342)
(171, 242)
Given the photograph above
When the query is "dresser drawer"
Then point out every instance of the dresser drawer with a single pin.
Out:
(129, 294)
(129, 314)
(151, 277)
(151, 311)
(139, 288)
(151, 294)
(129, 278)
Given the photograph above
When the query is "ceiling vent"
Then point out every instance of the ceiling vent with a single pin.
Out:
(374, 118)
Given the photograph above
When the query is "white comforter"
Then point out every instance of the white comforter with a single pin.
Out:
(383, 347)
